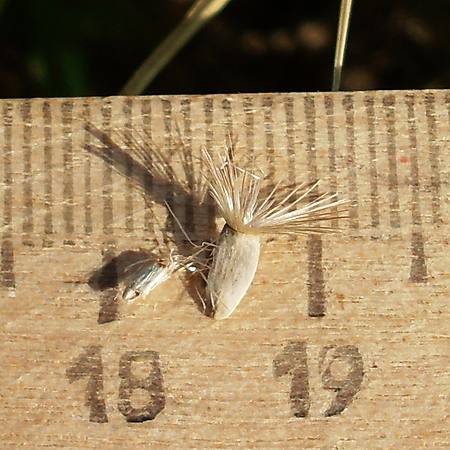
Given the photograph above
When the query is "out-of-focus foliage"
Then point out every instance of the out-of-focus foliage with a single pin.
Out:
(91, 47)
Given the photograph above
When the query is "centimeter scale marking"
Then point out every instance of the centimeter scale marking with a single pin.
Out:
(68, 189)
(31, 173)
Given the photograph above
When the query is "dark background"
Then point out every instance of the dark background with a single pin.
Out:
(91, 47)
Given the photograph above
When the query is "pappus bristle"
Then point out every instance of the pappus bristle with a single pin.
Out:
(237, 193)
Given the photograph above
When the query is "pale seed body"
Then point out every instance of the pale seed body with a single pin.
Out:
(234, 264)
(146, 279)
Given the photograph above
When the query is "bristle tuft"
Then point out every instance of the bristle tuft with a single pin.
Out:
(236, 192)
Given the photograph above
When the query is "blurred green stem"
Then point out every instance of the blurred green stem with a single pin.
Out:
(198, 15)
(341, 42)
(2, 5)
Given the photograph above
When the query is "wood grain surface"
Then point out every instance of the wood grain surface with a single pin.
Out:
(342, 342)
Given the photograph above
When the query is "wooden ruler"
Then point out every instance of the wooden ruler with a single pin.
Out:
(342, 342)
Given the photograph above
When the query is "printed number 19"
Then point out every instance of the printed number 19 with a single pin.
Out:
(293, 361)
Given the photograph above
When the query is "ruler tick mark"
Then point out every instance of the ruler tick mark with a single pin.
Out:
(147, 182)
(373, 171)
(108, 218)
(128, 140)
(316, 284)
(186, 142)
(290, 149)
(331, 137)
(433, 149)
(7, 250)
(68, 208)
(418, 270)
(48, 181)
(27, 223)
(228, 116)
(394, 202)
(87, 201)
(249, 125)
(267, 104)
(348, 104)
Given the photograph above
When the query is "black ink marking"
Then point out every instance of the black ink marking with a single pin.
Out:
(152, 385)
(146, 112)
(394, 203)
(208, 108)
(169, 194)
(8, 279)
(329, 110)
(88, 224)
(108, 218)
(249, 113)
(128, 140)
(316, 284)
(267, 107)
(228, 119)
(27, 224)
(418, 271)
(347, 103)
(290, 150)
(186, 141)
(108, 301)
(167, 109)
(106, 280)
(68, 193)
(48, 173)
(89, 364)
(293, 361)
(373, 171)
(346, 386)
(434, 155)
